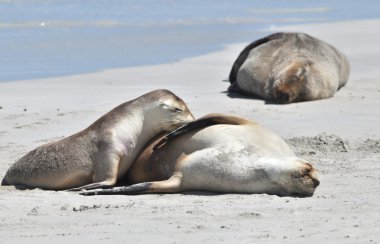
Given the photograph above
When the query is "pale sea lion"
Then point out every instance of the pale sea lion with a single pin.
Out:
(102, 153)
(221, 154)
(289, 67)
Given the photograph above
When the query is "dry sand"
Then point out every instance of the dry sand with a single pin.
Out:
(341, 136)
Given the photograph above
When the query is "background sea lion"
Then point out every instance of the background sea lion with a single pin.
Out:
(289, 67)
(102, 153)
(229, 154)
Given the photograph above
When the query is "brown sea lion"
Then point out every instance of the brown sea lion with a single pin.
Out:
(289, 67)
(102, 153)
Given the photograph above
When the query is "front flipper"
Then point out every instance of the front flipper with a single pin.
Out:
(103, 184)
(105, 171)
(171, 185)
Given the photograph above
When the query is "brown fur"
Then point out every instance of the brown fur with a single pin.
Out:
(96, 156)
(289, 67)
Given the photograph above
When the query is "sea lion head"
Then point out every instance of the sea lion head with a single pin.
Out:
(300, 179)
(291, 85)
(167, 110)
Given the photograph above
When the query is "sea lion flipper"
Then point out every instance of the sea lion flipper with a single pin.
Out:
(191, 126)
(171, 185)
(234, 87)
(4, 182)
(205, 121)
(122, 190)
(244, 54)
(103, 184)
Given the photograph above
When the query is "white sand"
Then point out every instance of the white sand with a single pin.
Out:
(345, 207)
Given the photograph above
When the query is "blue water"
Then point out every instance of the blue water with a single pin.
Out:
(44, 38)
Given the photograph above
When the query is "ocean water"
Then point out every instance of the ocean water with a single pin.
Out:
(45, 38)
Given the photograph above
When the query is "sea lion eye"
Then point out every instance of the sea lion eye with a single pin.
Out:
(170, 108)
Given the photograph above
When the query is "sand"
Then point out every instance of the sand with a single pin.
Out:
(340, 136)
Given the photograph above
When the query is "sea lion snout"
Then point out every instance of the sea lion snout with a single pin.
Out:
(308, 173)
(315, 182)
(189, 116)
(282, 97)
(304, 180)
(289, 88)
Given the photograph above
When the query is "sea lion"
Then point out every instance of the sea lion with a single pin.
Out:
(102, 153)
(289, 67)
(219, 153)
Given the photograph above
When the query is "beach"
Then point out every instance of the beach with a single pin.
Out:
(340, 136)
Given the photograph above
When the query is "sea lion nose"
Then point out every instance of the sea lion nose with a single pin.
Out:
(315, 182)
(283, 97)
(313, 175)
(190, 117)
(308, 170)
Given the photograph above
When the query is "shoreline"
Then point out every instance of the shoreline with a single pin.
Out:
(340, 136)
(200, 79)
(316, 29)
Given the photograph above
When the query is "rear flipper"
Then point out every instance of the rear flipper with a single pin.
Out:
(234, 87)
(171, 185)
(4, 182)
(205, 121)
